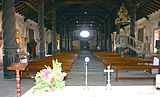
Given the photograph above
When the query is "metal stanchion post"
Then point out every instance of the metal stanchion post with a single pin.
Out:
(87, 59)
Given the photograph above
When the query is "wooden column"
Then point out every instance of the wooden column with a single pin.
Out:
(9, 36)
(106, 34)
(71, 39)
(132, 25)
(67, 38)
(101, 39)
(66, 41)
(53, 35)
(97, 39)
(133, 19)
(62, 37)
(62, 33)
(110, 23)
(41, 28)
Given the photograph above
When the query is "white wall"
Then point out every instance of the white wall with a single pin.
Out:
(149, 26)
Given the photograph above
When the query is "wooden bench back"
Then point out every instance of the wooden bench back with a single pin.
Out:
(106, 54)
(38, 64)
(122, 60)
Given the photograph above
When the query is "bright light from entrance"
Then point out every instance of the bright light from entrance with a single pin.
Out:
(84, 34)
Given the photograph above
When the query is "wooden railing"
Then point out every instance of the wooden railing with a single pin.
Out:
(136, 45)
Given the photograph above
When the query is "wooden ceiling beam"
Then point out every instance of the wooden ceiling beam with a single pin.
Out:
(156, 1)
(31, 6)
(153, 7)
(150, 7)
(19, 5)
(156, 4)
(20, 8)
(34, 9)
(146, 11)
(149, 10)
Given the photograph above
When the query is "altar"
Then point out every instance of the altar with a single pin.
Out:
(100, 91)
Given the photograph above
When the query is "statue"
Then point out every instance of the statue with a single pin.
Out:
(50, 48)
(122, 15)
(31, 48)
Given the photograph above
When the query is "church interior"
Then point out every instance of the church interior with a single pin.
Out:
(99, 43)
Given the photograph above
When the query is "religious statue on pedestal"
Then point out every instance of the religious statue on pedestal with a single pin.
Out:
(122, 16)
(31, 48)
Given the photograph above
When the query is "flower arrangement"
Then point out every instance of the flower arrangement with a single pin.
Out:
(49, 79)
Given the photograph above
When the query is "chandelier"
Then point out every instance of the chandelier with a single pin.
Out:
(123, 17)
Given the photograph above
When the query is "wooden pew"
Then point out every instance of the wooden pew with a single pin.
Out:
(127, 63)
(121, 60)
(38, 64)
(103, 54)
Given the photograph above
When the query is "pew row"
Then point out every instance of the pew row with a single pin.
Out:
(37, 64)
(122, 63)
(130, 64)
(104, 54)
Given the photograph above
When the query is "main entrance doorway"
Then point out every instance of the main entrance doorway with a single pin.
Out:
(84, 45)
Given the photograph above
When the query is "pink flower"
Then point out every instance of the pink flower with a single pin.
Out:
(45, 74)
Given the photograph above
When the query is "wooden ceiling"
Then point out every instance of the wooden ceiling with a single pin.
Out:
(72, 8)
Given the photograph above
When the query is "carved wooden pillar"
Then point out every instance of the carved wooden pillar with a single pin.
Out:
(110, 26)
(53, 35)
(101, 40)
(97, 39)
(9, 36)
(132, 25)
(41, 28)
(68, 35)
(69, 41)
(62, 37)
(106, 34)
(133, 19)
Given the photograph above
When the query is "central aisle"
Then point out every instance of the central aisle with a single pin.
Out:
(96, 76)
(95, 71)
